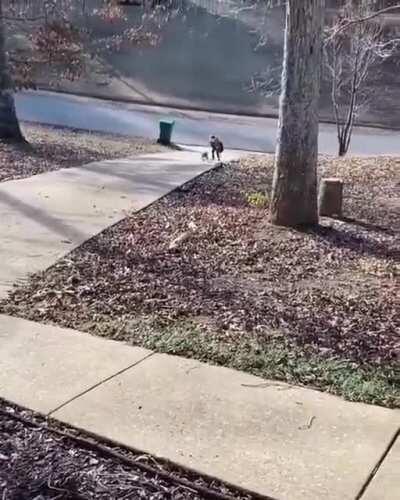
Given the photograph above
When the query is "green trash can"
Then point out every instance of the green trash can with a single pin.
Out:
(166, 128)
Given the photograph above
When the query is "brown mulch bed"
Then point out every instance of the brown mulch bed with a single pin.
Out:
(51, 148)
(41, 459)
(206, 257)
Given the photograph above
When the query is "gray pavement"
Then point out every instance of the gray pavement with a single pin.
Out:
(42, 367)
(282, 441)
(45, 216)
(192, 127)
(385, 485)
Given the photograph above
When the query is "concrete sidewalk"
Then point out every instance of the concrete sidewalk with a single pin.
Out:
(283, 442)
(45, 216)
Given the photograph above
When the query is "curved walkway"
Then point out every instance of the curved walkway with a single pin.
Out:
(45, 216)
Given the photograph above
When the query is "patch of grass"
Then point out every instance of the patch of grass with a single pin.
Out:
(276, 360)
(257, 200)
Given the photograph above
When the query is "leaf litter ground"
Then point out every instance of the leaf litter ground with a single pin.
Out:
(202, 274)
(51, 148)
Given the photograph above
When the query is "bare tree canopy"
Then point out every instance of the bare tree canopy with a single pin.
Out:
(56, 37)
(367, 13)
(351, 58)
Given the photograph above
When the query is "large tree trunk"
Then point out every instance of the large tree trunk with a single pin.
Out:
(294, 192)
(9, 126)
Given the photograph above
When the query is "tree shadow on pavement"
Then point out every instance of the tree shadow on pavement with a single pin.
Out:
(44, 219)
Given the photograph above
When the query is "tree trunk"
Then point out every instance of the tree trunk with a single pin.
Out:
(9, 126)
(294, 191)
(342, 147)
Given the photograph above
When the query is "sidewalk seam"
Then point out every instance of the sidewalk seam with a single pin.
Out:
(375, 470)
(98, 384)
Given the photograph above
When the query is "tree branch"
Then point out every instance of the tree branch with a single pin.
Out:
(347, 24)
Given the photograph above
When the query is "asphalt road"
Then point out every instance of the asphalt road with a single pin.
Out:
(191, 127)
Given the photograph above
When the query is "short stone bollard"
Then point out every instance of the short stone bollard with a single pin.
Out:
(330, 199)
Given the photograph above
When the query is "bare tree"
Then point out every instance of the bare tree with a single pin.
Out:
(351, 58)
(294, 190)
(362, 17)
(60, 41)
(9, 126)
